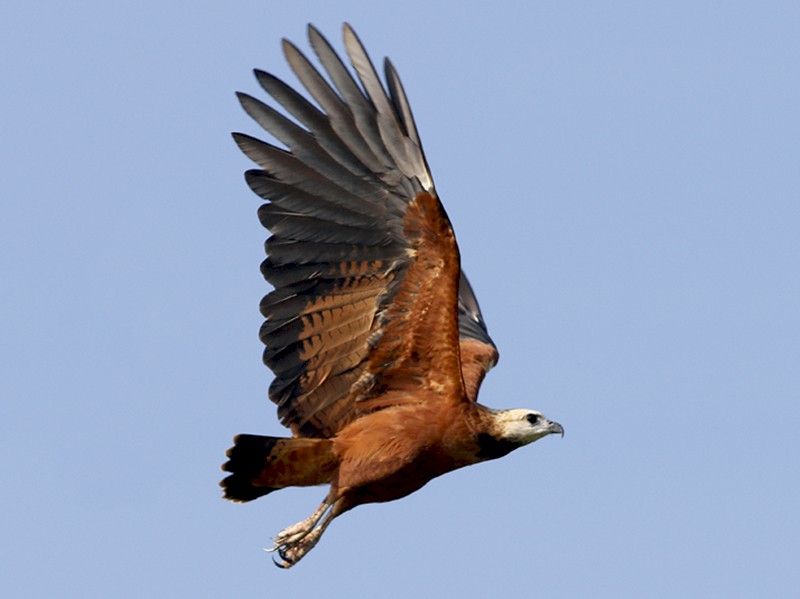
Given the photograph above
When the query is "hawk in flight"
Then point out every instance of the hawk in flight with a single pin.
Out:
(372, 330)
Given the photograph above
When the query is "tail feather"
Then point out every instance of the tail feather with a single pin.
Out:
(260, 465)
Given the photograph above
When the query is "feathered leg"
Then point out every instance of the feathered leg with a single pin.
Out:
(295, 532)
(294, 542)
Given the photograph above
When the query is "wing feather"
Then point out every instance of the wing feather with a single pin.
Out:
(395, 141)
(335, 210)
(287, 168)
(360, 107)
(339, 115)
(316, 121)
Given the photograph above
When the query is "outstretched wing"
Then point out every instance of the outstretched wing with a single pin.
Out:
(369, 302)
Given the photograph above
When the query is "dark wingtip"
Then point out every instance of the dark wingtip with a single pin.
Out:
(313, 31)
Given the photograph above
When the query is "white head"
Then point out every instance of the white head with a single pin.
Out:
(510, 429)
(523, 426)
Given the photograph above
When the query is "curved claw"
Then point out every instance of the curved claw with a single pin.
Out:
(285, 562)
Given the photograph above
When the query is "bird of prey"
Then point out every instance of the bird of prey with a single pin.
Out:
(373, 332)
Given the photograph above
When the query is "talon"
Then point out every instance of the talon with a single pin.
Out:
(294, 542)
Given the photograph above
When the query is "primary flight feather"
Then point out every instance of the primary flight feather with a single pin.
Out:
(373, 332)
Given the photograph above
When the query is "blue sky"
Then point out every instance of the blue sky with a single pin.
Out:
(623, 179)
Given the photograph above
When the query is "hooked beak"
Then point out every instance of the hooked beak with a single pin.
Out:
(555, 428)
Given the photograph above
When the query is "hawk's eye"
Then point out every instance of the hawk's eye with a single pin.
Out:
(533, 418)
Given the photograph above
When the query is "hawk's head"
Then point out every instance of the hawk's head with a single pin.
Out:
(523, 426)
(510, 429)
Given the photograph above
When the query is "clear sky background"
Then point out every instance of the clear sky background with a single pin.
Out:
(624, 179)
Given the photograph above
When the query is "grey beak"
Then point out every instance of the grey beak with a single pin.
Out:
(555, 428)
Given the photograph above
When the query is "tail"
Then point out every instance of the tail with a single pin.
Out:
(260, 465)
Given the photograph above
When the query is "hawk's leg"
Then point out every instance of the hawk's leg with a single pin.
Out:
(302, 536)
(295, 532)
